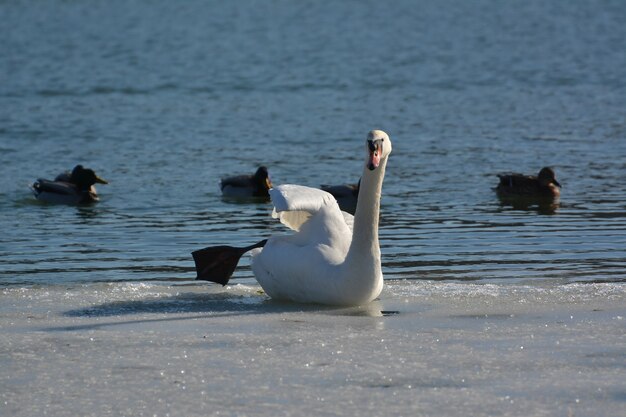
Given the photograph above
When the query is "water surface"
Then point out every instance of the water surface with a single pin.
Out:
(162, 99)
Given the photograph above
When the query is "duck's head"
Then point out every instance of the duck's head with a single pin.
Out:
(262, 177)
(547, 177)
(85, 177)
(378, 148)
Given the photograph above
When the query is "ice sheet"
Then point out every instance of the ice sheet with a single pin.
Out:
(425, 348)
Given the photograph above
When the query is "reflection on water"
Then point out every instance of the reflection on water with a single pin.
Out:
(245, 200)
(88, 213)
(542, 205)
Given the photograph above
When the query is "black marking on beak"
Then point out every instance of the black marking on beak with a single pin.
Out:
(375, 148)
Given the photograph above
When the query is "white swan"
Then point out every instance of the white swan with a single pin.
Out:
(333, 258)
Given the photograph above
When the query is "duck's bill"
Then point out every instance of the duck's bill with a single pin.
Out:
(101, 180)
(555, 182)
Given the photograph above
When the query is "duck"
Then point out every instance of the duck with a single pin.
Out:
(332, 258)
(345, 194)
(544, 185)
(70, 187)
(242, 186)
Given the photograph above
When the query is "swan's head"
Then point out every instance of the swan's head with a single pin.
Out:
(378, 148)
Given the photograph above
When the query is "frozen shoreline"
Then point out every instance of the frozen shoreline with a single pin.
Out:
(436, 349)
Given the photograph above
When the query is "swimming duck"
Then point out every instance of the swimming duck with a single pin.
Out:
(256, 185)
(543, 185)
(345, 194)
(332, 258)
(75, 187)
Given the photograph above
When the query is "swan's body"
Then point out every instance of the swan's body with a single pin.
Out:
(75, 187)
(544, 185)
(246, 186)
(333, 257)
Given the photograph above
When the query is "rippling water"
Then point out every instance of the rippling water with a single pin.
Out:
(164, 98)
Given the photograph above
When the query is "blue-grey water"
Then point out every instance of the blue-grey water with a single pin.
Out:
(163, 98)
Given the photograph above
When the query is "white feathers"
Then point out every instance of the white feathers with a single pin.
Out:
(333, 257)
(295, 204)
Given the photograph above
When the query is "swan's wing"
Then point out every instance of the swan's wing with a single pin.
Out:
(295, 204)
(349, 218)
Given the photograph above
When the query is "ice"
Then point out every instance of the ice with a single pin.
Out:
(425, 348)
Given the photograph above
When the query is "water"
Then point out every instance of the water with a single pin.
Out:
(164, 98)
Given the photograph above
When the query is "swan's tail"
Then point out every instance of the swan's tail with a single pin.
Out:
(217, 263)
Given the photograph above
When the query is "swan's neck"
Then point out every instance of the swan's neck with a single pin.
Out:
(365, 247)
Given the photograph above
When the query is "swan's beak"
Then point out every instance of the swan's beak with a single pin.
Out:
(555, 182)
(375, 150)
